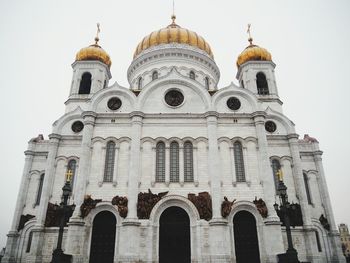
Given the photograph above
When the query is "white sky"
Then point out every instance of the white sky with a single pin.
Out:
(309, 42)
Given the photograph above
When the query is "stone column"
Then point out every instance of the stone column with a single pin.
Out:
(272, 228)
(76, 229)
(336, 252)
(218, 231)
(38, 230)
(12, 236)
(301, 192)
(128, 249)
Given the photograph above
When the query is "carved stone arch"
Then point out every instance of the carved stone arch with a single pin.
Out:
(147, 139)
(61, 122)
(120, 91)
(161, 139)
(34, 172)
(175, 139)
(97, 139)
(311, 172)
(277, 116)
(24, 234)
(174, 200)
(224, 139)
(251, 139)
(287, 158)
(201, 139)
(124, 139)
(238, 139)
(174, 78)
(275, 157)
(189, 139)
(245, 206)
(235, 91)
(111, 139)
(103, 206)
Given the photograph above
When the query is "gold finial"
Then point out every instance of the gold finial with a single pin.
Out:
(250, 39)
(173, 16)
(69, 175)
(98, 31)
(279, 174)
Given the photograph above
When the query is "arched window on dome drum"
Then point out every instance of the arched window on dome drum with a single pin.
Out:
(188, 161)
(72, 165)
(40, 189)
(109, 162)
(160, 162)
(192, 75)
(239, 162)
(276, 166)
(155, 75)
(307, 188)
(261, 84)
(207, 82)
(139, 83)
(85, 83)
(174, 162)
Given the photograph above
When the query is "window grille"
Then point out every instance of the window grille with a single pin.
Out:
(160, 162)
(174, 162)
(188, 162)
(239, 162)
(29, 244)
(109, 162)
(40, 189)
(307, 189)
(276, 166)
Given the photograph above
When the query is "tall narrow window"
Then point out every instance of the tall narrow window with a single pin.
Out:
(174, 162)
(72, 164)
(139, 83)
(261, 84)
(40, 189)
(29, 243)
(319, 247)
(160, 162)
(109, 162)
(242, 84)
(239, 162)
(307, 188)
(155, 75)
(85, 83)
(207, 82)
(192, 75)
(188, 162)
(276, 166)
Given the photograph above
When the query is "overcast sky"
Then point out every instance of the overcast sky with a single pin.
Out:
(309, 42)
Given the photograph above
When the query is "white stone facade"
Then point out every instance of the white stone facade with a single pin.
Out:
(143, 120)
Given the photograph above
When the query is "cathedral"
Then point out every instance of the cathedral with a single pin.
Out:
(173, 168)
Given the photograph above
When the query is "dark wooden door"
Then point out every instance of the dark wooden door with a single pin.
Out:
(174, 236)
(246, 238)
(103, 238)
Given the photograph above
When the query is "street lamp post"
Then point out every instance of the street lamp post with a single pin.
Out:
(291, 255)
(58, 256)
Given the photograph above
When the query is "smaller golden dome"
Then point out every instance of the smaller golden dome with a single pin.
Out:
(253, 52)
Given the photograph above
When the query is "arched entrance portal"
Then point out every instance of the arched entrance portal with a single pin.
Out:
(103, 238)
(174, 236)
(246, 238)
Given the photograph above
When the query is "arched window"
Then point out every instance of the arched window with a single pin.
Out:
(261, 84)
(192, 75)
(174, 162)
(242, 84)
(72, 164)
(207, 82)
(276, 166)
(85, 83)
(160, 162)
(139, 83)
(109, 162)
(239, 162)
(188, 161)
(40, 189)
(29, 242)
(155, 75)
(307, 188)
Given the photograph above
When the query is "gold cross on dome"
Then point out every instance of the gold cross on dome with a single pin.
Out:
(69, 175)
(250, 39)
(279, 174)
(97, 33)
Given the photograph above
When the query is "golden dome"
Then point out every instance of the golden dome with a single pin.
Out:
(253, 52)
(94, 52)
(173, 34)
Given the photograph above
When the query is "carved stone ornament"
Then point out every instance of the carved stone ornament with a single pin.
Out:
(88, 205)
(324, 222)
(23, 220)
(146, 202)
(54, 214)
(203, 204)
(122, 203)
(261, 207)
(226, 207)
(294, 213)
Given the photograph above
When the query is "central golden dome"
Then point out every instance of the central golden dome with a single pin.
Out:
(173, 34)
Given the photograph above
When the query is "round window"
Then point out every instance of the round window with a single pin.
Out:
(114, 103)
(233, 103)
(174, 98)
(270, 126)
(77, 126)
